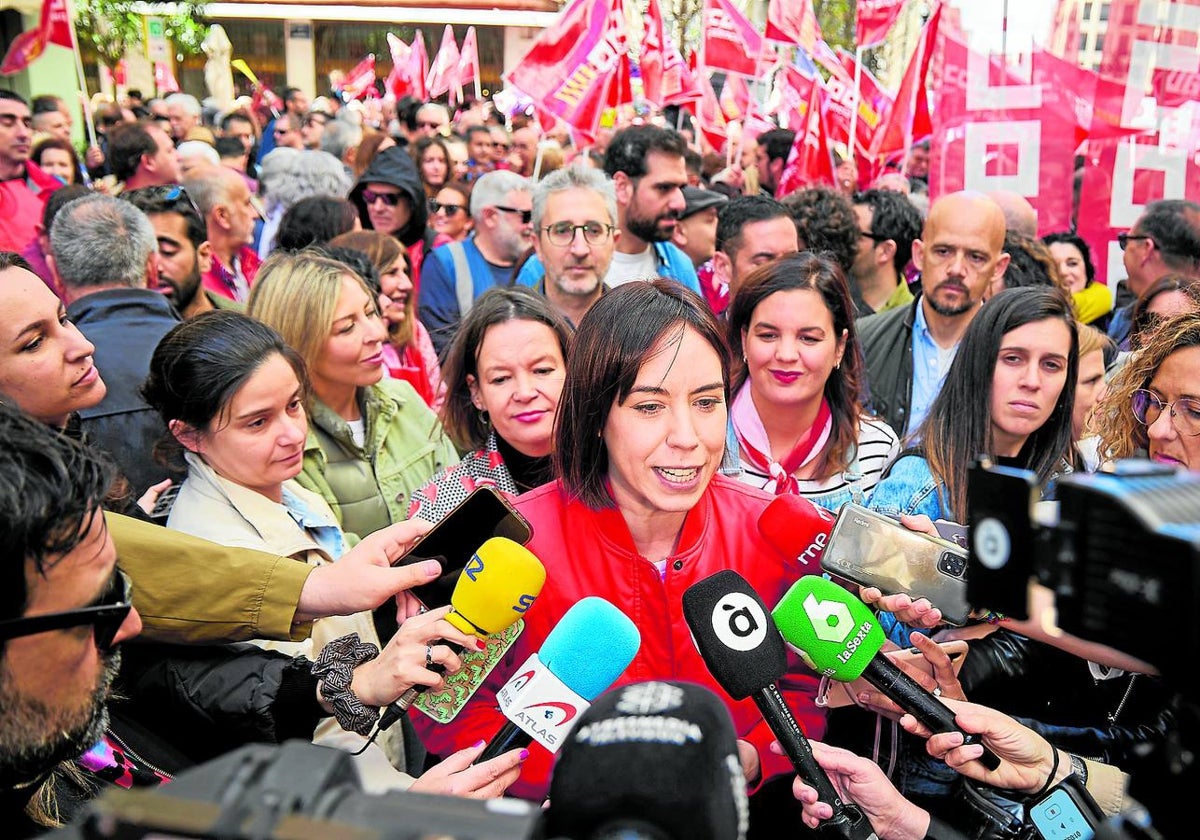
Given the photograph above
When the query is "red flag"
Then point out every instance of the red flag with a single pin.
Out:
(468, 60)
(397, 81)
(871, 100)
(908, 118)
(164, 79)
(731, 43)
(580, 65)
(809, 161)
(666, 78)
(359, 80)
(443, 74)
(735, 98)
(708, 113)
(796, 89)
(120, 73)
(53, 28)
(873, 20)
(794, 22)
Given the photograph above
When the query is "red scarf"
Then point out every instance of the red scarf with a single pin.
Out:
(781, 472)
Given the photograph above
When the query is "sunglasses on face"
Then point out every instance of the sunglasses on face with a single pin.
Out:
(448, 209)
(106, 616)
(390, 199)
(526, 215)
(1123, 239)
(426, 124)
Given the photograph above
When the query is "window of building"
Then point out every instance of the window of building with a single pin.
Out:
(259, 42)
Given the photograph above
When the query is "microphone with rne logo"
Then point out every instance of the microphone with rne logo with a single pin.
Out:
(496, 587)
(592, 645)
(740, 644)
(841, 638)
(797, 528)
(650, 760)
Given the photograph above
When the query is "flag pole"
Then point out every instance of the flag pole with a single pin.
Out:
(88, 121)
(853, 144)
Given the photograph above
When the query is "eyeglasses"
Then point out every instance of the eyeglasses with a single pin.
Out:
(1185, 411)
(164, 196)
(390, 199)
(10, 120)
(526, 215)
(1124, 239)
(873, 237)
(427, 124)
(448, 209)
(563, 233)
(106, 616)
(504, 146)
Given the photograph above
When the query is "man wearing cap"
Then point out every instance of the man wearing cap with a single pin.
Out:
(696, 235)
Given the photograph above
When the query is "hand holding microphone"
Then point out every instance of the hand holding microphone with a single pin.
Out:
(841, 638)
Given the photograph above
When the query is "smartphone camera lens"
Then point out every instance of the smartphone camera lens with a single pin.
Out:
(952, 565)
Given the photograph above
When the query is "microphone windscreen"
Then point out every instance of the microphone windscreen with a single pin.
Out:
(592, 644)
(734, 633)
(656, 755)
(836, 633)
(496, 587)
(796, 528)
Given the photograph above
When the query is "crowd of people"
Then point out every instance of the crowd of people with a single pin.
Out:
(247, 360)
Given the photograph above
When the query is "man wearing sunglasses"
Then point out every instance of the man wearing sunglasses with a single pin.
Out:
(457, 273)
(1164, 240)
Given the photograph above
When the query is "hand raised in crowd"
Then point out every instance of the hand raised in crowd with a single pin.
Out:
(457, 777)
(364, 578)
(405, 661)
(860, 781)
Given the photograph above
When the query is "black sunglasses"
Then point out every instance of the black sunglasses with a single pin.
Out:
(526, 215)
(390, 199)
(1123, 239)
(451, 209)
(106, 616)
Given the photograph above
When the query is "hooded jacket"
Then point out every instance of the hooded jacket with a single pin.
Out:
(395, 167)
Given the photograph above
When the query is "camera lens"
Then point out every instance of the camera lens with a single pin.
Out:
(952, 564)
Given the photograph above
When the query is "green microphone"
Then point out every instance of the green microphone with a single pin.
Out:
(839, 637)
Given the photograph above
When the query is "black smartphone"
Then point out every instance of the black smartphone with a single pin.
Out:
(162, 506)
(479, 517)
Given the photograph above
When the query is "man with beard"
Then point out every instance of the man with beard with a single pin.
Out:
(575, 225)
(184, 253)
(63, 611)
(908, 350)
(647, 168)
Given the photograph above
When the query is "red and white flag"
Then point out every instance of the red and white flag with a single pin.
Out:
(735, 98)
(874, 19)
(708, 113)
(580, 65)
(359, 80)
(468, 61)
(908, 118)
(666, 77)
(809, 161)
(164, 79)
(731, 43)
(443, 74)
(53, 28)
(793, 22)
(796, 90)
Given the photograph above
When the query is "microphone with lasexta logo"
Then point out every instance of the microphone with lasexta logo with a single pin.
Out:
(841, 638)
(592, 644)
(742, 647)
(497, 586)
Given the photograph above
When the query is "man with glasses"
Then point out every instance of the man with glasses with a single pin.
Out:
(1164, 240)
(575, 227)
(312, 129)
(287, 132)
(432, 118)
(24, 187)
(887, 225)
(455, 274)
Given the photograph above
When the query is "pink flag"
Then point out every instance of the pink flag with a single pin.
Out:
(580, 65)
(735, 98)
(666, 78)
(797, 90)
(468, 60)
(361, 78)
(443, 74)
(908, 118)
(794, 22)
(708, 113)
(874, 19)
(53, 28)
(164, 79)
(731, 43)
(809, 162)
(418, 67)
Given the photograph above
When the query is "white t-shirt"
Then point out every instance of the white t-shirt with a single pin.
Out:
(626, 267)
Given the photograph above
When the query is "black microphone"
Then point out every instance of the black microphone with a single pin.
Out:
(840, 637)
(743, 650)
(650, 760)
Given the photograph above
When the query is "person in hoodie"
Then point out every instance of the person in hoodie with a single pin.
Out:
(390, 198)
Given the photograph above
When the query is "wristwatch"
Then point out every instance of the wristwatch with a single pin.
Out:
(1079, 768)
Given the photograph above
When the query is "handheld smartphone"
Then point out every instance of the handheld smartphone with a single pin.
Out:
(1067, 812)
(871, 549)
(479, 517)
(162, 506)
(838, 694)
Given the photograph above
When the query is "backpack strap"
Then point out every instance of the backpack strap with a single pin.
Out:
(464, 285)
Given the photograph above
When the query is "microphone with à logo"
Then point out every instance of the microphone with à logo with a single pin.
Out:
(743, 650)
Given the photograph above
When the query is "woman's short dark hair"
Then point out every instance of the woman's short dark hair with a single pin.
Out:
(619, 334)
(314, 221)
(1144, 321)
(1066, 237)
(819, 273)
(200, 364)
(495, 306)
(958, 427)
(40, 147)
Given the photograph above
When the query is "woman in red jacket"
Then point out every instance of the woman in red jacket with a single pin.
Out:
(639, 513)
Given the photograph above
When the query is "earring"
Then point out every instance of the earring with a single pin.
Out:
(837, 365)
(484, 418)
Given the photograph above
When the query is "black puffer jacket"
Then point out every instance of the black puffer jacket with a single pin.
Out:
(395, 167)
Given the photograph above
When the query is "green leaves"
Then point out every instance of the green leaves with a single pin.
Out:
(114, 28)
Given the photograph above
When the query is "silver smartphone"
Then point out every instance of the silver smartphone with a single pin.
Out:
(871, 549)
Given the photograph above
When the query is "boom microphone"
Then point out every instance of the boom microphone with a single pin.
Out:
(498, 584)
(592, 645)
(797, 528)
(841, 638)
(741, 645)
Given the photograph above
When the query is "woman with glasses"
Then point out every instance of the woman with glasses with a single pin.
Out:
(408, 353)
(505, 370)
(796, 416)
(433, 163)
(450, 213)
